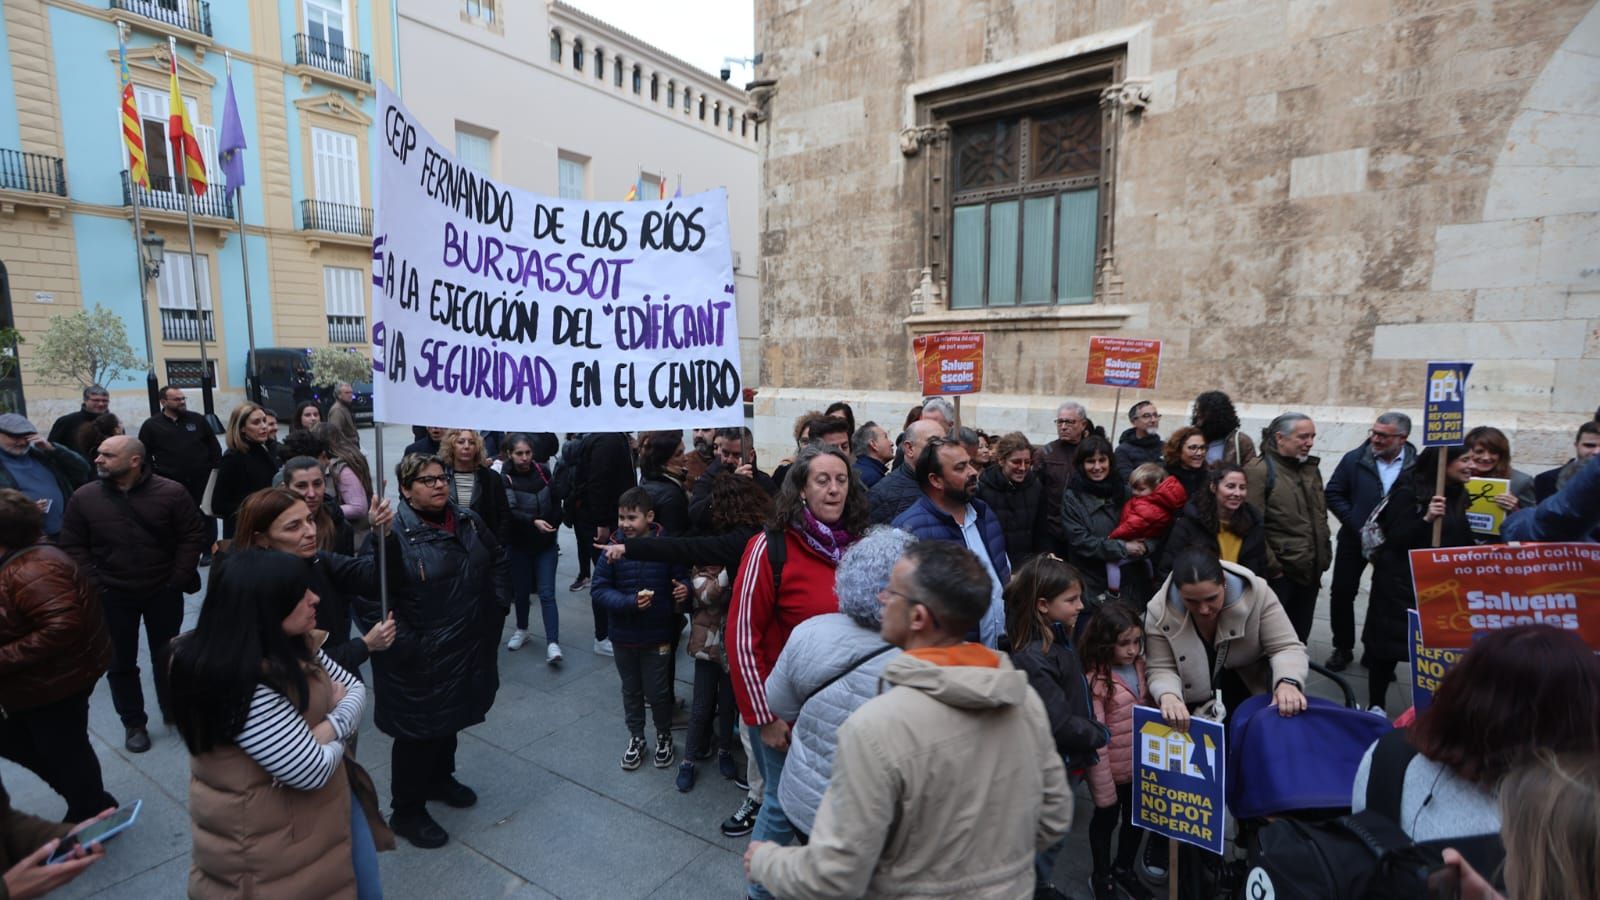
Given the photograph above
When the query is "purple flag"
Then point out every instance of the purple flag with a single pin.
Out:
(231, 142)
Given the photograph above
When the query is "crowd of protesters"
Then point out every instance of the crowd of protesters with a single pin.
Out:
(927, 637)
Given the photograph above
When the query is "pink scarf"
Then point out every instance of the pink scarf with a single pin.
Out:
(826, 539)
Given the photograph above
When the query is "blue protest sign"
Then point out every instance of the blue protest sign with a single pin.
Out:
(1427, 665)
(1444, 407)
(1179, 779)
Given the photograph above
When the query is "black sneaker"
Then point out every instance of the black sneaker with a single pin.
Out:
(666, 753)
(729, 769)
(1101, 887)
(742, 822)
(419, 828)
(634, 755)
(453, 794)
(1131, 886)
(1340, 660)
(578, 584)
(685, 780)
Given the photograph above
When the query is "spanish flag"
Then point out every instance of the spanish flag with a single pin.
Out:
(185, 146)
(132, 133)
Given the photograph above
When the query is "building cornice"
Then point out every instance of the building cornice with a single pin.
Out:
(633, 47)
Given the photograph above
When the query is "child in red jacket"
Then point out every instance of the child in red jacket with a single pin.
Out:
(1148, 514)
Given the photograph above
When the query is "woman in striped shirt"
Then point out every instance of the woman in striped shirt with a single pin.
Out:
(265, 714)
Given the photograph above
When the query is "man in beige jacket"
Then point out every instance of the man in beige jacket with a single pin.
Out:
(947, 784)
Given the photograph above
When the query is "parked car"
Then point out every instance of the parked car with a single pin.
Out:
(283, 382)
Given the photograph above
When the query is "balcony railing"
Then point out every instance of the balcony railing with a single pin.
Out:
(33, 172)
(339, 60)
(163, 193)
(190, 15)
(185, 324)
(316, 215)
(347, 329)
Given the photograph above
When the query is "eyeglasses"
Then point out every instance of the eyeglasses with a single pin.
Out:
(429, 480)
(1148, 415)
(913, 602)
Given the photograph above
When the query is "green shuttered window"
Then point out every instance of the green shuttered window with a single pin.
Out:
(1025, 208)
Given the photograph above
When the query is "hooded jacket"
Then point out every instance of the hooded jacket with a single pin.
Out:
(798, 690)
(1254, 638)
(450, 593)
(616, 588)
(1134, 451)
(1150, 516)
(1021, 511)
(1113, 701)
(944, 786)
(1295, 513)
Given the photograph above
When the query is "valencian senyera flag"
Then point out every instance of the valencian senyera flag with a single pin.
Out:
(132, 135)
(232, 145)
(185, 146)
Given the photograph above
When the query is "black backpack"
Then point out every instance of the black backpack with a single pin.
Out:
(1362, 856)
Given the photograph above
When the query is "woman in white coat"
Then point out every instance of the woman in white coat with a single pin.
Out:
(829, 667)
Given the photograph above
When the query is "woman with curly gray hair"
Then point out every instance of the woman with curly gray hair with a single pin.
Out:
(829, 668)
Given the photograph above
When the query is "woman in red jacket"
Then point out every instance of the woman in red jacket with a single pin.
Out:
(821, 510)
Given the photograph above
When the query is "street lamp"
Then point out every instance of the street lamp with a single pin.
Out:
(153, 245)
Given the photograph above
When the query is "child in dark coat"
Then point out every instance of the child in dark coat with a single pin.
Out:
(641, 601)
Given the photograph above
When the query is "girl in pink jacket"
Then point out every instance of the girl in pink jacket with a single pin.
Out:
(1112, 650)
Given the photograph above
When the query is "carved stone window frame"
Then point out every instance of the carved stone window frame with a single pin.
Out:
(1112, 66)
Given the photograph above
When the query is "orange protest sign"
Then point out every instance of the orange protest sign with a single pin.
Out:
(1123, 362)
(950, 362)
(1466, 592)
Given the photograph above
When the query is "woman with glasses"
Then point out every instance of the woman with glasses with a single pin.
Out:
(1016, 494)
(1185, 458)
(449, 592)
(821, 510)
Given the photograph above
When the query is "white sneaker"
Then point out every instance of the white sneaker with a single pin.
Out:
(1378, 711)
(603, 648)
(518, 638)
(552, 653)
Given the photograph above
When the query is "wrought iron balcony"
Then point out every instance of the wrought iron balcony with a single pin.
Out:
(163, 194)
(184, 325)
(316, 215)
(338, 60)
(347, 329)
(190, 15)
(32, 172)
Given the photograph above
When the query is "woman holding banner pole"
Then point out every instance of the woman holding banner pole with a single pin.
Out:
(449, 590)
(1407, 518)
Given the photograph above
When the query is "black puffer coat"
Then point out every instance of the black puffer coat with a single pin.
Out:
(671, 503)
(1056, 675)
(1383, 635)
(1188, 532)
(532, 496)
(1022, 512)
(449, 594)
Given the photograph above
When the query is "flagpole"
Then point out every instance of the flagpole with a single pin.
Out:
(180, 166)
(151, 384)
(244, 260)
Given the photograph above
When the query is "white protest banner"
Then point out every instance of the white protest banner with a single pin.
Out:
(495, 308)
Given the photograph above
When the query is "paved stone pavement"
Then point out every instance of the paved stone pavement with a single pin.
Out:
(556, 817)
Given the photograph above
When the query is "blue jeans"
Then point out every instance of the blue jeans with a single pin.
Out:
(363, 854)
(771, 823)
(531, 569)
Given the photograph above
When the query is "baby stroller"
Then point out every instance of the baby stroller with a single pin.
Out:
(1301, 768)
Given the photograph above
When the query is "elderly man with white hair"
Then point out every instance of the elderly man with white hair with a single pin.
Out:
(830, 667)
(1054, 461)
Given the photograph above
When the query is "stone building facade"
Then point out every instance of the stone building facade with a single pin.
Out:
(1304, 199)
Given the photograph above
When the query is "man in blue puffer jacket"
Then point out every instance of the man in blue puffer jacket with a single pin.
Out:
(641, 603)
(950, 511)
